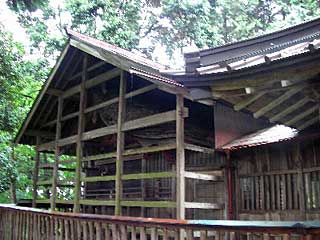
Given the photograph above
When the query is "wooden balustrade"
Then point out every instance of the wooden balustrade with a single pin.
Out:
(29, 223)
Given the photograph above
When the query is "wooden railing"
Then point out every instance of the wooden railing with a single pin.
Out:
(29, 223)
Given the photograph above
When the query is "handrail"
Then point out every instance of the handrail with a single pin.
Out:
(63, 224)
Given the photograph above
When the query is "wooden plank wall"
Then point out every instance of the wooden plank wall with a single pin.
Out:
(279, 181)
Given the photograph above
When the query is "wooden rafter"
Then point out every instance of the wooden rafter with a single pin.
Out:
(101, 78)
(301, 116)
(289, 110)
(55, 100)
(309, 123)
(246, 102)
(61, 76)
(276, 102)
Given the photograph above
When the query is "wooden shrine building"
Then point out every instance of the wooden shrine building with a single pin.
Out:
(235, 135)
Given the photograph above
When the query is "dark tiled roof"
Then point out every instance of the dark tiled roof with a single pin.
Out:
(269, 135)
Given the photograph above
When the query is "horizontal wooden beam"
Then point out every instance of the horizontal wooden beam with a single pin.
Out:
(38, 133)
(197, 148)
(152, 120)
(50, 166)
(276, 102)
(98, 179)
(59, 184)
(131, 152)
(94, 66)
(197, 205)
(93, 82)
(97, 202)
(302, 115)
(58, 201)
(150, 204)
(289, 110)
(149, 121)
(54, 92)
(150, 175)
(104, 104)
(201, 176)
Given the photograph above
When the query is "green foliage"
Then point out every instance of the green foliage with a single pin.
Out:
(23, 5)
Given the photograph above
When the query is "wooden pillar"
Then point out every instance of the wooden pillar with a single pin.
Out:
(81, 126)
(180, 157)
(56, 157)
(36, 174)
(143, 186)
(13, 188)
(120, 141)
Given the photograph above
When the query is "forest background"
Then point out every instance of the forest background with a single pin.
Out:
(159, 29)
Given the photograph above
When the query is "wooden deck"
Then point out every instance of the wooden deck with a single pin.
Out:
(30, 223)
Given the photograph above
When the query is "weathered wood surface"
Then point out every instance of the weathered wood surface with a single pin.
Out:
(29, 223)
(81, 127)
(126, 126)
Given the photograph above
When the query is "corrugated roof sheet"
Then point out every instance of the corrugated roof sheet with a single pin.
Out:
(252, 60)
(269, 135)
(156, 77)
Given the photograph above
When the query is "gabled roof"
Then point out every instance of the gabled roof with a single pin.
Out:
(114, 50)
(116, 56)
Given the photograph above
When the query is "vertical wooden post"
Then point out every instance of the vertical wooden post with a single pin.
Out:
(120, 141)
(36, 173)
(180, 157)
(81, 126)
(298, 160)
(56, 156)
(13, 190)
(143, 185)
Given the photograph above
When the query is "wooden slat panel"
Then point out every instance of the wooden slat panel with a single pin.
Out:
(267, 192)
(289, 190)
(257, 192)
(278, 192)
(284, 191)
(273, 197)
(252, 194)
(262, 193)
